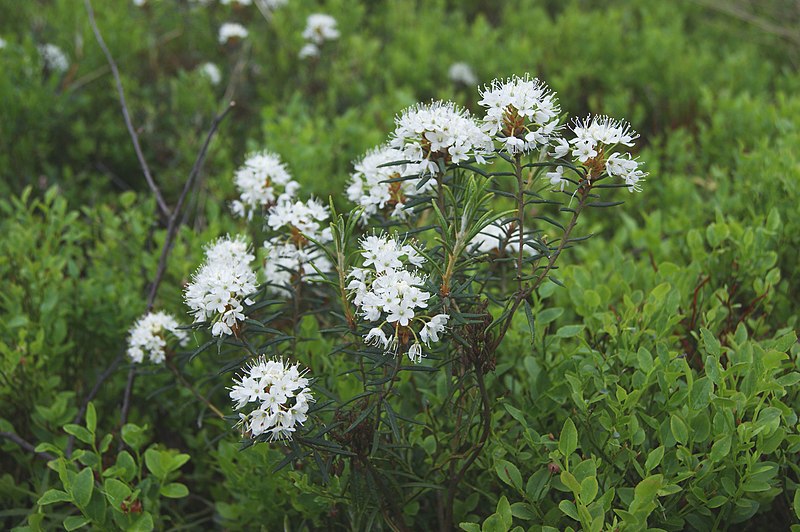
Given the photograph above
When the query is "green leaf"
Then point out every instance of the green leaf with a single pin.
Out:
(174, 490)
(700, 395)
(549, 314)
(143, 524)
(494, 523)
(710, 342)
(504, 511)
(654, 458)
(82, 487)
(508, 473)
(91, 418)
(568, 441)
(569, 509)
(536, 487)
(134, 436)
(116, 492)
(53, 496)
(522, 510)
(571, 482)
(589, 489)
(568, 331)
(152, 459)
(796, 503)
(74, 522)
(679, 430)
(531, 322)
(470, 527)
(79, 432)
(721, 448)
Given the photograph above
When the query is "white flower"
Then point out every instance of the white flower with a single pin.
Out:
(369, 189)
(320, 28)
(308, 50)
(389, 291)
(54, 58)
(560, 148)
(3, 43)
(557, 178)
(426, 133)
(305, 217)
(139, 3)
(462, 73)
(212, 72)
(430, 332)
(597, 137)
(262, 181)
(231, 31)
(240, 2)
(148, 337)
(522, 113)
(220, 287)
(280, 396)
(415, 353)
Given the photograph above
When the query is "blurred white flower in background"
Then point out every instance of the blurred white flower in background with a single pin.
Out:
(148, 337)
(54, 58)
(462, 73)
(212, 72)
(231, 31)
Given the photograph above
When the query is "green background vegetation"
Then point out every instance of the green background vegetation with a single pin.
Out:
(670, 352)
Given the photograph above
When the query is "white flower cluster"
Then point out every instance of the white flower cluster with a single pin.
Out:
(522, 113)
(388, 291)
(281, 396)
(369, 189)
(262, 181)
(231, 31)
(319, 28)
(212, 72)
(220, 287)
(54, 58)
(596, 137)
(291, 253)
(462, 73)
(147, 337)
(426, 133)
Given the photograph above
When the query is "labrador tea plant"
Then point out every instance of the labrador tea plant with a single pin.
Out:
(365, 339)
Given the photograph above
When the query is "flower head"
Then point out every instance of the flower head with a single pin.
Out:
(219, 288)
(462, 73)
(320, 28)
(596, 138)
(370, 190)
(54, 58)
(148, 336)
(427, 133)
(388, 290)
(212, 72)
(231, 32)
(280, 396)
(522, 113)
(262, 181)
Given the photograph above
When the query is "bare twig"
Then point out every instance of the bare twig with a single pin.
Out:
(162, 205)
(172, 230)
(26, 445)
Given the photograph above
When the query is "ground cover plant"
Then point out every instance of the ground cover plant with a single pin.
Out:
(399, 265)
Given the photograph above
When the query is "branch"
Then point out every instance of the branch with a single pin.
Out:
(26, 445)
(162, 205)
(172, 230)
